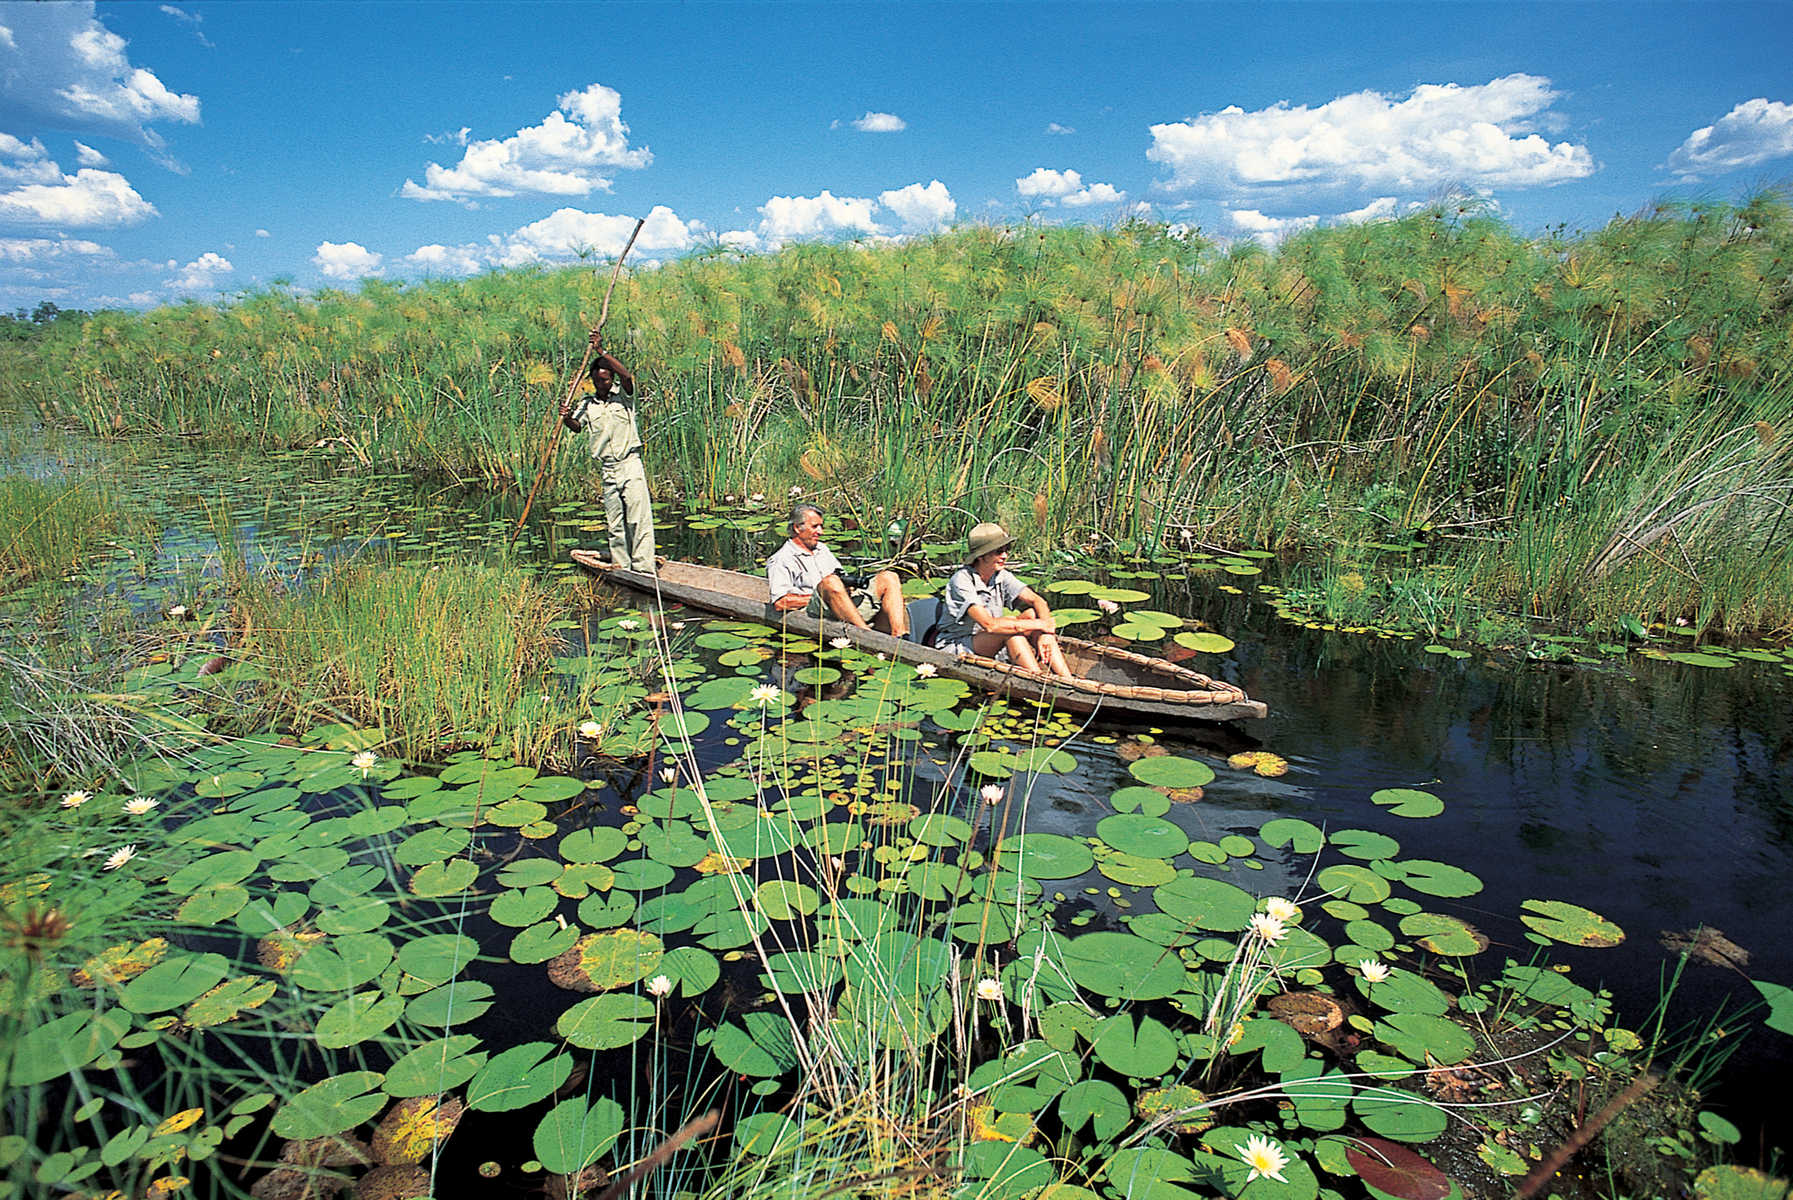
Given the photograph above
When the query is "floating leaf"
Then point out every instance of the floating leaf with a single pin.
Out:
(331, 1107)
(1408, 802)
(356, 1018)
(436, 1066)
(608, 1021)
(518, 1077)
(1570, 923)
(1123, 966)
(1443, 934)
(1168, 770)
(1044, 856)
(574, 1135)
(1150, 837)
(601, 962)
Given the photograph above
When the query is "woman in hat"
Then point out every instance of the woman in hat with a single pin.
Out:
(972, 619)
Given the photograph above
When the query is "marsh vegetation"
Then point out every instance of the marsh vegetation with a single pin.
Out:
(348, 846)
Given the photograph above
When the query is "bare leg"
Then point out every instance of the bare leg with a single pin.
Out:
(834, 595)
(1055, 657)
(893, 614)
(1022, 655)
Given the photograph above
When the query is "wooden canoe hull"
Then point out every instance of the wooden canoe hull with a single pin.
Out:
(1117, 684)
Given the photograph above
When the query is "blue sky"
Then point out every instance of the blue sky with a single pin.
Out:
(155, 152)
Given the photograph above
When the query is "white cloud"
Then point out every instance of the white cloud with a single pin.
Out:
(346, 260)
(28, 251)
(920, 208)
(80, 79)
(1055, 128)
(1267, 230)
(262, 233)
(87, 156)
(436, 259)
(562, 235)
(7, 39)
(569, 232)
(1379, 209)
(1438, 135)
(788, 218)
(1048, 184)
(573, 152)
(880, 122)
(1065, 187)
(1095, 193)
(203, 273)
(86, 198)
(1756, 131)
(26, 162)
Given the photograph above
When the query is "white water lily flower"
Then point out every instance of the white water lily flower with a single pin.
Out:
(840, 643)
(1268, 927)
(926, 670)
(1107, 606)
(628, 626)
(989, 989)
(1373, 970)
(138, 805)
(120, 857)
(178, 613)
(764, 694)
(659, 986)
(76, 799)
(364, 761)
(669, 775)
(1283, 910)
(758, 497)
(1264, 1157)
(992, 793)
(591, 729)
(795, 491)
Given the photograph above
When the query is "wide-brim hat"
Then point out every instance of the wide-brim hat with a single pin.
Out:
(986, 538)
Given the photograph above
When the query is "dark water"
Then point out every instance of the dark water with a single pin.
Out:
(1653, 793)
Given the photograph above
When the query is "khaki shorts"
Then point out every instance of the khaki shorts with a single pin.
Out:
(862, 600)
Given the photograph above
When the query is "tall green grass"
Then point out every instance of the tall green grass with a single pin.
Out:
(1518, 399)
(436, 657)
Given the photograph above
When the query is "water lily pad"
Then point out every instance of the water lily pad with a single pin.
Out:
(601, 962)
(1357, 884)
(1150, 837)
(1443, 934)
(1123, 966)
(1408, 802)
(1171, 771)
(1202, 903)
(356, 1018)
(443, 878)
(1144, 1050)
(1438, 879)
(518, 1077)
(542, 941)
(1302, 837)
(608, 1021)
(437, 1066)
(1564, 922)
(454, 1003)
(1204, 641)
(330, 1107)
(174, 982)
(575, 1134)
(1044, 856)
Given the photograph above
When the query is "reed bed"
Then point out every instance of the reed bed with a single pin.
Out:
(1585, 425)
(436, 658)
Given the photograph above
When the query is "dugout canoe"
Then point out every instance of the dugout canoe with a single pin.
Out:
(1113, 683)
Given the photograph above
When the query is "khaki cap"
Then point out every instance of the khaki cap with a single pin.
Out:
(986, 538)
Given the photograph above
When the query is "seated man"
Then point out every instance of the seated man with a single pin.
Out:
(977, 595)
(804, 574)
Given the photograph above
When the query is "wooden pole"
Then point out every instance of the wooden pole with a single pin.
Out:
(554, 426)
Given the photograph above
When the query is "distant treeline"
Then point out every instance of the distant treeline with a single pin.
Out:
(1578, 426)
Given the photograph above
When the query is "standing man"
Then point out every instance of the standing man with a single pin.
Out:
(804, 574)
(607, 415)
